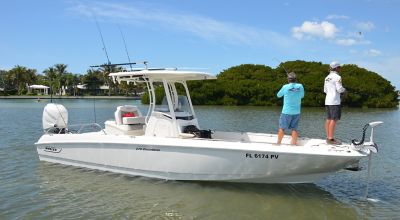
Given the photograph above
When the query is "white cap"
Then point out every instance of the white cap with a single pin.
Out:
(334, 64)
(291, 75)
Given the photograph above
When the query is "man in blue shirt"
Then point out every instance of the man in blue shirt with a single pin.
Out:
(292, 94)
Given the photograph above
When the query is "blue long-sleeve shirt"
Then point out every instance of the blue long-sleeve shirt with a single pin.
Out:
(292, 93)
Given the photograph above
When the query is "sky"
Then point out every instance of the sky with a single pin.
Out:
(210, 35)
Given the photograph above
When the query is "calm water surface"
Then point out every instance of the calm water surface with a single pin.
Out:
(30, 189)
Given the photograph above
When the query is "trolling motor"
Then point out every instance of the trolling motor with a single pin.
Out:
(361, 145)
(370, 145)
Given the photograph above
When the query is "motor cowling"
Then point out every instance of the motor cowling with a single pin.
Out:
(55, 118)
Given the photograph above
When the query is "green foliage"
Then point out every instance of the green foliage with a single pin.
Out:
(367, 89)
(159, 95)
(93, 81)
(207, 92)
(250, 84)
(246, 84)
(14, 81)
(19, 77)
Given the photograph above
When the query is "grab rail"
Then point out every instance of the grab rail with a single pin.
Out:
(91, 125)
(71, 130)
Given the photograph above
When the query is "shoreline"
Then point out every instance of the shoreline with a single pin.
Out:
(68, 97)
(47, 97)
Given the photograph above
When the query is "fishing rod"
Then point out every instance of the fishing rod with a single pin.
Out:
(126, 49)
(280, 63)
(102, 40)
(108, 60)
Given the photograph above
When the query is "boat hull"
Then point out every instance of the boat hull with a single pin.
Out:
(195, 159)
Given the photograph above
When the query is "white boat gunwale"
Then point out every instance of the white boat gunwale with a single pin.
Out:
(197, 143)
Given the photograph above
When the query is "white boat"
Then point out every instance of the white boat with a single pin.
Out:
(168, 143)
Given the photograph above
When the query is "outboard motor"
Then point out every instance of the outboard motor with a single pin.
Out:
(55, 118)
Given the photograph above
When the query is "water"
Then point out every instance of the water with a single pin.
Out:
(30, 189)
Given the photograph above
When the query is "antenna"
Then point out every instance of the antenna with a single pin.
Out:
(126, 49)
(102, 40)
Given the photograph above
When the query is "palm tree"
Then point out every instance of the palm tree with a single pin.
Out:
(93, 80)
(51, 75)
(57, 76)
(3, 81)
(106, 70)
(75, 81)
(61, 71)
(21, 76)
(71, 81)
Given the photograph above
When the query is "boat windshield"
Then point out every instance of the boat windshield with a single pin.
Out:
(180, 103)
(182, 109)
(163, 107)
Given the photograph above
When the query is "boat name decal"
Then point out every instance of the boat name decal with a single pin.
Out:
(52, 149)
(147, 148)
(262, 156)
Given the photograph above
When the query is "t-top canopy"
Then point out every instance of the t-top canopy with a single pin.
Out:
(161, 74)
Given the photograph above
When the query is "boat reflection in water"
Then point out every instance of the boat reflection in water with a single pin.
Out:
(93, 194)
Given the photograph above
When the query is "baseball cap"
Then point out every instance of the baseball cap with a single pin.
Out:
(291, 75)
(334, 64)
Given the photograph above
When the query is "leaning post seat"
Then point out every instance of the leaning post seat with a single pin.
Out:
(128, 115)
(128, 121)
(132, 120)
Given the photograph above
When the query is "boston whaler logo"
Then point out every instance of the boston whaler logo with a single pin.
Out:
(52, 149)
(147, 148)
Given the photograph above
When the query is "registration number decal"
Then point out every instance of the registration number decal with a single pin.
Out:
(262, 156)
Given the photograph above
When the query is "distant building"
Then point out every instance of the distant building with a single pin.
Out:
(42, 90)
(83, 86)
(104, 87)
